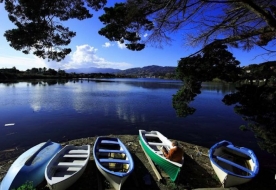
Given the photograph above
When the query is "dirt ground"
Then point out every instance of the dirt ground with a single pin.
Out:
(196, 172)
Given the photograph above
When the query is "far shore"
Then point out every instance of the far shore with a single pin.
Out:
(197, 171)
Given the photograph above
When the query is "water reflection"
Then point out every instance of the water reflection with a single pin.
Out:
(120, 97)
(256, 104)
(219, 87)
(74, 109)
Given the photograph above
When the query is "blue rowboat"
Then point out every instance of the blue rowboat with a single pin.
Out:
(113, 160)
(30, 166)
(233, 165)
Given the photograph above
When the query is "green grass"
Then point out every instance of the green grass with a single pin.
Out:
(26, 186)
(243, 128)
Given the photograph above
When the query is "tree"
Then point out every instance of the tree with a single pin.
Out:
(52, 71)
(61, 72)
(34, 70)
(240, 23)
(121, 28)
(214, 62)
(39, 26)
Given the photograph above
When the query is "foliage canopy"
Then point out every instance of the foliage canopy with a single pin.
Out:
(215, 62)
(240, 23)
(39, 27)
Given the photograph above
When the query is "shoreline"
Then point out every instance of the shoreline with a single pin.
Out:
(196, 172)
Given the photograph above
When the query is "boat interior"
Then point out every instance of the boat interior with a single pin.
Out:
(64, 171)
(68, 163)
(155, 143)
(111, 151)
(116, 167)
(113, 157)
(233, 161)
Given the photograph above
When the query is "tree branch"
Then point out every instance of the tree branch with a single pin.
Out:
(270, 20)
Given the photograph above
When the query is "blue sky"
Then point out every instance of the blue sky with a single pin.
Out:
(89, 49)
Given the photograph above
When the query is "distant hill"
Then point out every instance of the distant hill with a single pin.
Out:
(153, 70)
(92, 70)
(148, 70)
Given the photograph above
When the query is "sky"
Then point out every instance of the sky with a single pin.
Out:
(89, 49)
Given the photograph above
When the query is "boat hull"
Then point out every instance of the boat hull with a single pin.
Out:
(30, 166)
(233, 165)
(67, 166)
(153, 151)
(114, 180)
(113, 160)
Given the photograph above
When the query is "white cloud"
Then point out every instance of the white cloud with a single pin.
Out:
(86, 56)
(145, 35)
(121, 46)
(107, 44)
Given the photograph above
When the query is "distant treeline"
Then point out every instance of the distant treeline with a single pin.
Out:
(43, 73)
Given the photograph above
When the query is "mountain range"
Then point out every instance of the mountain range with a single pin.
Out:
(92, 70)
(147, 70)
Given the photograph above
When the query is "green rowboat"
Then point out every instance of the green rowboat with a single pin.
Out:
(152, 142)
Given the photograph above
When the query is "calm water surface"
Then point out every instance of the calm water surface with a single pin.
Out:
(77, 109)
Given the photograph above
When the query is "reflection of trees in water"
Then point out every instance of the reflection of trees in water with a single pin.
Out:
(43, 82)
(215, 62)
(154, 84)
(256, 103)
(9, 83)
(220, 87)
(257, 106)
(187, 93)
(49, 82)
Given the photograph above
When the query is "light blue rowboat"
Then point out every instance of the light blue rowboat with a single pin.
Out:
(30, 166)
(113, 160)
(233, 165)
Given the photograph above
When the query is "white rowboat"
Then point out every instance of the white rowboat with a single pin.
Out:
(113, 160)
(66, 167)
(233, 165)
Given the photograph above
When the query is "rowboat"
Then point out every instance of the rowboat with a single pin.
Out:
(152, 142)
(30, 166)
(233, 165)
(67, 166)
(113, 160)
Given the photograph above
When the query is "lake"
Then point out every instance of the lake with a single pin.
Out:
(66, 110)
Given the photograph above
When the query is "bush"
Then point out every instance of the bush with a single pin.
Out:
(26, 186)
